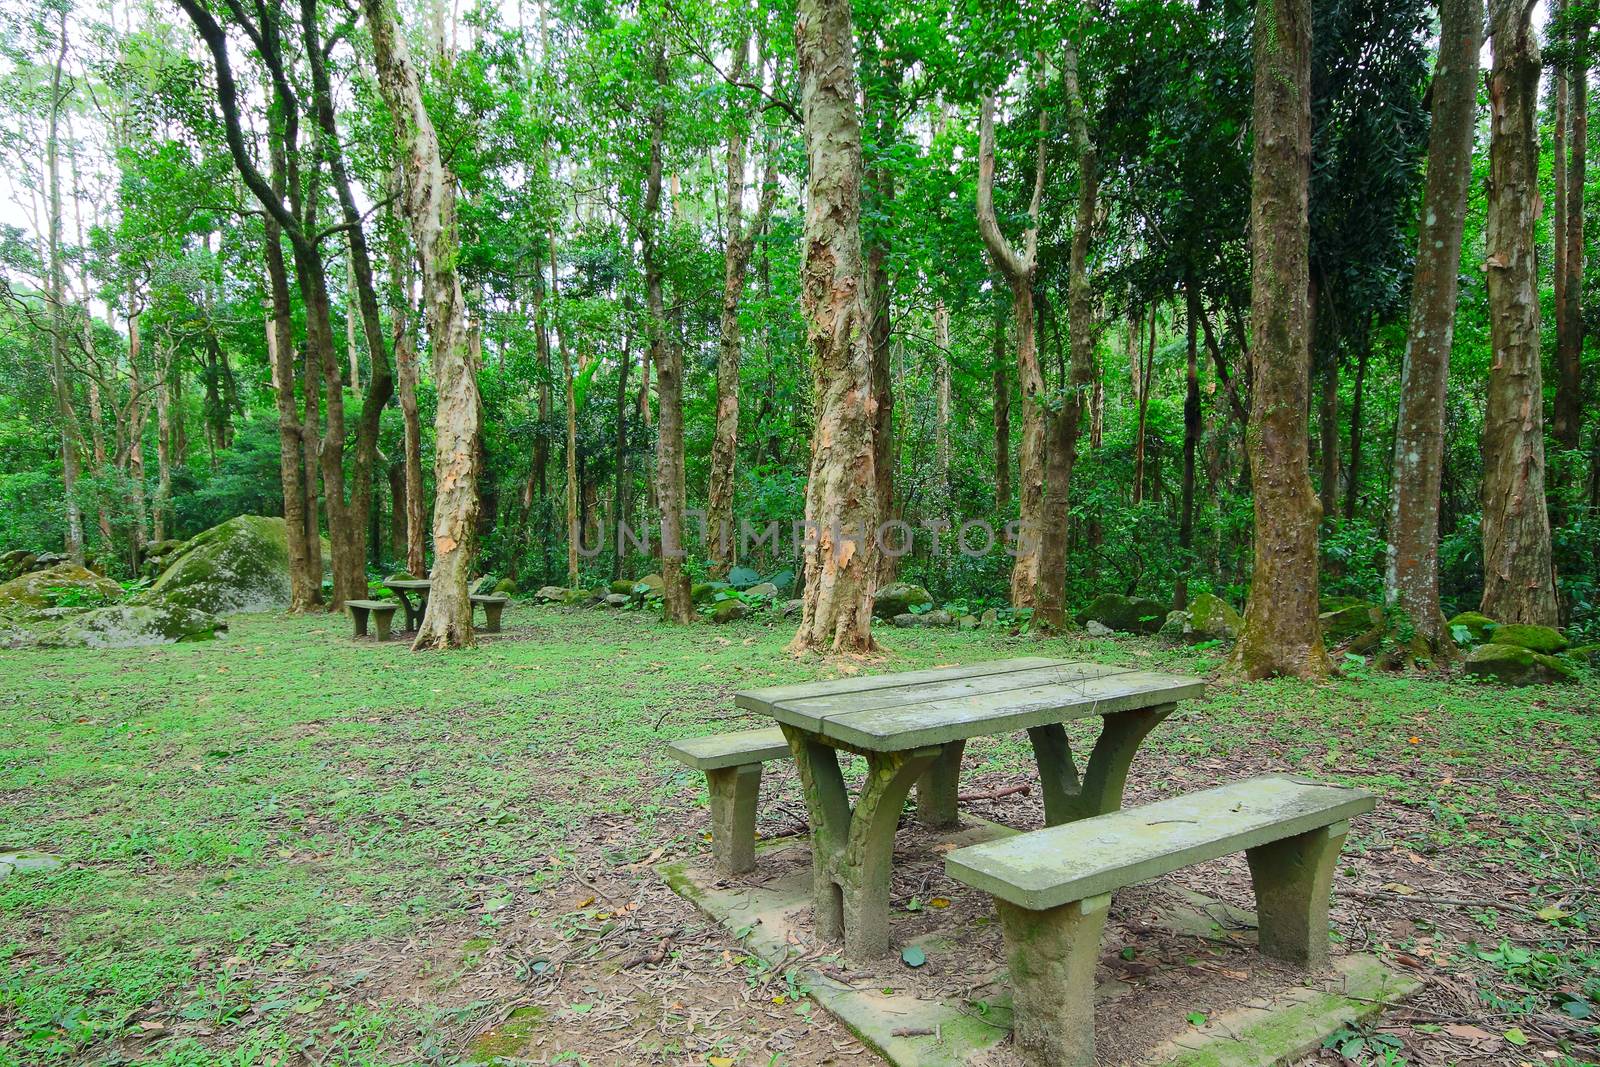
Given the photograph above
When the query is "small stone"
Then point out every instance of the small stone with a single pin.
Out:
(551, 594)
(1139, 615)
(617, 600)
(1095, 629)
(967, 622)
(990, 617)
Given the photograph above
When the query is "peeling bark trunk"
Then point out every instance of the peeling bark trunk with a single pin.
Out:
(1518, 580)
(1019, 269)
(880, 292)
(431, 212)
(841, 490)
(1281, 634)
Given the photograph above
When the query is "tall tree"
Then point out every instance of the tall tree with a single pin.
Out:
(1411, 579)
(841, 489)
(430, 209)
(1518, 579)
(1281, 634)
(1019, 269)
(1573, 23)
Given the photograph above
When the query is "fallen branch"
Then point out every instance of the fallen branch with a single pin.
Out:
(996, 794)
(654, 958)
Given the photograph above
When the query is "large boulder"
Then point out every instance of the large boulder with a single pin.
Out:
(134, 625)
(551, 594)
(1349, 620)
(63, 585)
(650, 586)
(1208, 618)
(241, 565)
(898, 598)
(729, 610)
(765, 589)
(1515, 665)
(1132, 614)
(1546, 640)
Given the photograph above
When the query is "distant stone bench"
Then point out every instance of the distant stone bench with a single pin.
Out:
(1053, 887)
(493, 604)
(732, 765)
(382, 612)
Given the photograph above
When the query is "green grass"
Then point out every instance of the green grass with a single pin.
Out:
(284, 803)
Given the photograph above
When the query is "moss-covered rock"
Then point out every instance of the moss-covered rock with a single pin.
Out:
(1543, 639)
(1131, 614)
(909, 620)
(1586, 654)
(241, 565)
(551, 594)
(729, 610)
(65, 584)
(621, 585)
(1479, 626)
(705, 592)
(650, 586)
(1516, 665)
(898, 598)
(1208, 618)
(791, 607)
(135, 625)
(764, 589)
(505, 587)
(1351, 620)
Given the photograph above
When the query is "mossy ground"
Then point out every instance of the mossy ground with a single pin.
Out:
(286, 846)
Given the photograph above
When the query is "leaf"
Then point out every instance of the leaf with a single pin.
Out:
(1516, 1036)
(913, 956)
(938, 902)
(1196, 1018)
(720, 1061)
(1552, 913)
(1397, 887)
(1578, 1008)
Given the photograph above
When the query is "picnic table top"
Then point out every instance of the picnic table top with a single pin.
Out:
(892, 712)
(408, 583)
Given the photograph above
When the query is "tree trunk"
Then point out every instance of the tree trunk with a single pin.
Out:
(164, 367)
(1328, 432)
(1050, 593)
(723, 547)
(677, 606)
(880, 293)
(69, 441)
(1018, 269)
(431, 211)
(941, 400)
(1518, 580)
(841, 490)
(1352, 481)
(305, 585)
(1191, 439)
(1566, 424)
(1281, 634)
(1002, 412)
(405, 358)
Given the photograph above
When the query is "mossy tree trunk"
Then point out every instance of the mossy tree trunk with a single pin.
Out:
(1281, 634)
(1411, 579)
(1518, 580)
(430, 209)
(841, 490)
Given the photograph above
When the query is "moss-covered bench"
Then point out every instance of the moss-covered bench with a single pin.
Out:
(732, 765)
(382, 612)
(1053, 887)
(493, 604)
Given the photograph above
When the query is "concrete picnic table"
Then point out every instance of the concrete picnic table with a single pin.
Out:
(913, 727)
(403, 588)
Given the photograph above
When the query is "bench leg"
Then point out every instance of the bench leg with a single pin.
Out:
(1052, 955)
(937, 788)
(1107, 773)
(733, 816)
(383, 619)
(359, 617)
(1293, 881)
(852, 851)
(491, 618)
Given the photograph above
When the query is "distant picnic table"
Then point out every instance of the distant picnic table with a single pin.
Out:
(913, 727)
(403, 588)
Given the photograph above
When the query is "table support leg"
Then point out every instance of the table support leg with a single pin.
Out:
(1119, 742)
(1058, 775)
(853, 851)
(937, 788)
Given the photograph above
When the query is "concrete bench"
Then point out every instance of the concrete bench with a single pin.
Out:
(732, 764)
(382, 612)
(1053, 887)
(493, 604)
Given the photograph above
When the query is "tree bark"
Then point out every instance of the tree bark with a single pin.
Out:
(405, 358)
(941, 400)
(841, 490)
(1566, 425)
(723, 549)
(1518, 579)
(1358, 396)
(1002, 412)
(305, 585)
(1019, 269)
(1191, 439)
(69, 439)
(1281, 634)
(431, 212)
(677, 606)
(880, 294)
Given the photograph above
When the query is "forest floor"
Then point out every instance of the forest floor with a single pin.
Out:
(286, 847)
